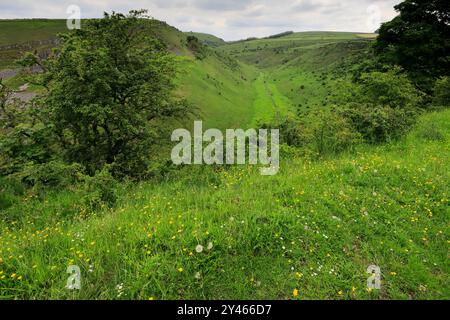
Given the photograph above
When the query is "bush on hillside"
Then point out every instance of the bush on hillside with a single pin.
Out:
(99, 190)
(391, 88)
(319, 133)
(331, 133)
(378, 124)
(10, 191)
(196, 47)
(381, 106)
(56, 174)
(442, 92)
(24, 138)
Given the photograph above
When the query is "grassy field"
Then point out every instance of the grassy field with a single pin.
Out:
(315, 227)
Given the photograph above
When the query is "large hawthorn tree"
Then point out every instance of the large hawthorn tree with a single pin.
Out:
(418, 39)
(110, 90)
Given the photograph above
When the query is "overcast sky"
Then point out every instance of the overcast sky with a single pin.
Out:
(228, 19)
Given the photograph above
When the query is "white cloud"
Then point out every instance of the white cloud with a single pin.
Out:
(229, 19)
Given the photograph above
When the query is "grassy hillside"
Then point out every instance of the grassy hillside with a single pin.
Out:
(277, 51)
(315, 227)
(232, 95)
(18, 36)
(23, 31)
(25, 35)
(222, 91)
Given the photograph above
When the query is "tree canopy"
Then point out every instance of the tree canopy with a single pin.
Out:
(110, 88)
(418, 39)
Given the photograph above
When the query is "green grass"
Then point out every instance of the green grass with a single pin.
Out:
(315, 227)
(19, 80)
(269, 104)
(223, 93)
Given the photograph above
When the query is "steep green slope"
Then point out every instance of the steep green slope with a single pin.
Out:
(219, 87)
(222, 91)
(19, 36)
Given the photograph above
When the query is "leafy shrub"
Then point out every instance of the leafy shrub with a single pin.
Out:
(323, 132)
(330, 133)
(391, 88)
(24, 138)
(379, 124)
(51, 174)
(442, 92)
(381, 106)
(196, 47)
(99, 190)
(10, 190)
(6, 200)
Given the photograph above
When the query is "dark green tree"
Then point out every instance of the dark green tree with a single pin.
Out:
(418, 39)
(110, 91)
(442, 92)
(196, 47)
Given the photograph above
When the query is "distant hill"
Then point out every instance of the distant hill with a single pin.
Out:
(27, 30)
(283, 48)
(18, 36)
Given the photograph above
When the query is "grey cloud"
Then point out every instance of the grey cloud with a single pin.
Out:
(228, 19)
(306, 5)
(221, 5)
